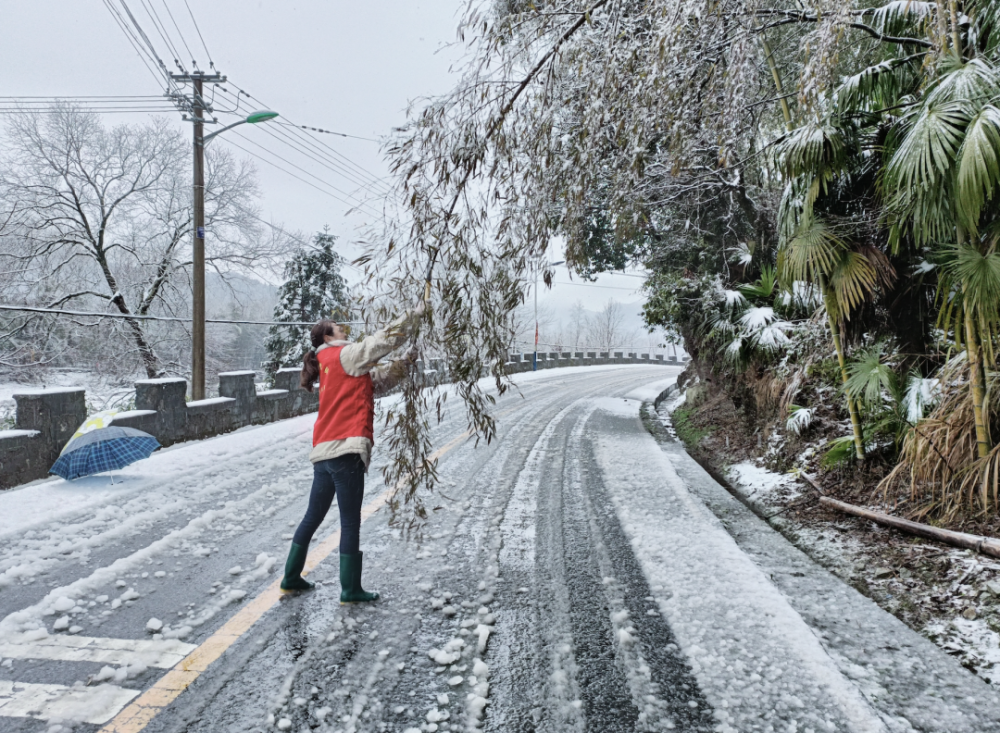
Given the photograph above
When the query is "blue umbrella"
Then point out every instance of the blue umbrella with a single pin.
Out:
(105, 449)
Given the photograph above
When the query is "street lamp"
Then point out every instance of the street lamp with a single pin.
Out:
(534, 356)
(261, 115)
(198, 277)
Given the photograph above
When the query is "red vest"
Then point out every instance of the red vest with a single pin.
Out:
(346, 403)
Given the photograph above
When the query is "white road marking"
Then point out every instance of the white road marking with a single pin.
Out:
(94, 705)
(163, 654)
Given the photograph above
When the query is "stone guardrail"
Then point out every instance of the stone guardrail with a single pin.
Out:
(46, 419)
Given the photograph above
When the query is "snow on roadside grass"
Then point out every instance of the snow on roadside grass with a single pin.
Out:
(934, 609)
(760, 484)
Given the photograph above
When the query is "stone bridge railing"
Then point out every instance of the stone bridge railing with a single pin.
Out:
(46, 419)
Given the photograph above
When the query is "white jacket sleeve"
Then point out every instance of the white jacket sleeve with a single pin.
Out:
(359, 358)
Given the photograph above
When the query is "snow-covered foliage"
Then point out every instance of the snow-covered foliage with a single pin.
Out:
(313, 290)
(710, 144)
(799, 419)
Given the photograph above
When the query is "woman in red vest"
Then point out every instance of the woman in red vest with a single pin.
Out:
(342, 439)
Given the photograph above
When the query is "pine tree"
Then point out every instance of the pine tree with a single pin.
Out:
(313, 289)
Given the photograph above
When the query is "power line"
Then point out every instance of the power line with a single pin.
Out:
(161, 30)
(132, 317)
(96, 110)
(92, 96)
(313, 141)
(179, 32)
(291, 236)
(593, 285)
(144, 37)
(329, 132)
(198, 31)
(116, 16)
(353, 204)
(307, 146)
(331, 164)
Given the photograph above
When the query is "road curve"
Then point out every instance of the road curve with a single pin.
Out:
(569, 579)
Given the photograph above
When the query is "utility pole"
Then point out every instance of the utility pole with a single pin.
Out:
(198, 108)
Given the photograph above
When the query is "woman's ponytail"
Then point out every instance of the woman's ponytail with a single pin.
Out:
(310, 370)
(310, 364)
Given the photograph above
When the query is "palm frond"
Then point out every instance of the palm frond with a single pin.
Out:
(796, 205)
(771, 337)
(764, 287)
(853, 279)
(741, 254)
(840, 451)
(903, 17)
(801, 295)
(979, 274)
(985, 26)
(811, 254)
(721, 327)
(799, 419)
(880, 85)
(926, 153)
(979, 166)
(868, 376)
(970, 83)
(756, 318)
(921, 394)
(734, 298)
(814, 150)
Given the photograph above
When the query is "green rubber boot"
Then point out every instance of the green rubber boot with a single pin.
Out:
(293, 580)
(350, 581)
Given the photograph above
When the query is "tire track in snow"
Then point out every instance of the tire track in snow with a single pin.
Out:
(757, 662)
(485, 479)
(661, 681)
(544, 693)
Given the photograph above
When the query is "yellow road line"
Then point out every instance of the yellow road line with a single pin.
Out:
(148, 705)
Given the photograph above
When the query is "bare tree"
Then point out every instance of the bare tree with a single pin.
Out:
(99, 216)
(577, 331)
(607, 327)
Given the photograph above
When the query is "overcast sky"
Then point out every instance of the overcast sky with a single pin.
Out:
(351, 67)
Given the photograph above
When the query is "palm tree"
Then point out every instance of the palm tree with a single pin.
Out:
(845, 276)
(822, 164)
(943, 169)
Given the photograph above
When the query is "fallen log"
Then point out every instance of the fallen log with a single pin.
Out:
(984, 545)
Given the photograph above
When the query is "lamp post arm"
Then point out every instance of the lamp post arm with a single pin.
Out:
(217, 132)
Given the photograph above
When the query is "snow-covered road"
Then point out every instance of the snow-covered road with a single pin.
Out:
(575, 575)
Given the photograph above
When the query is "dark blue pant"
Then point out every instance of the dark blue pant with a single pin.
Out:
(345, 477)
